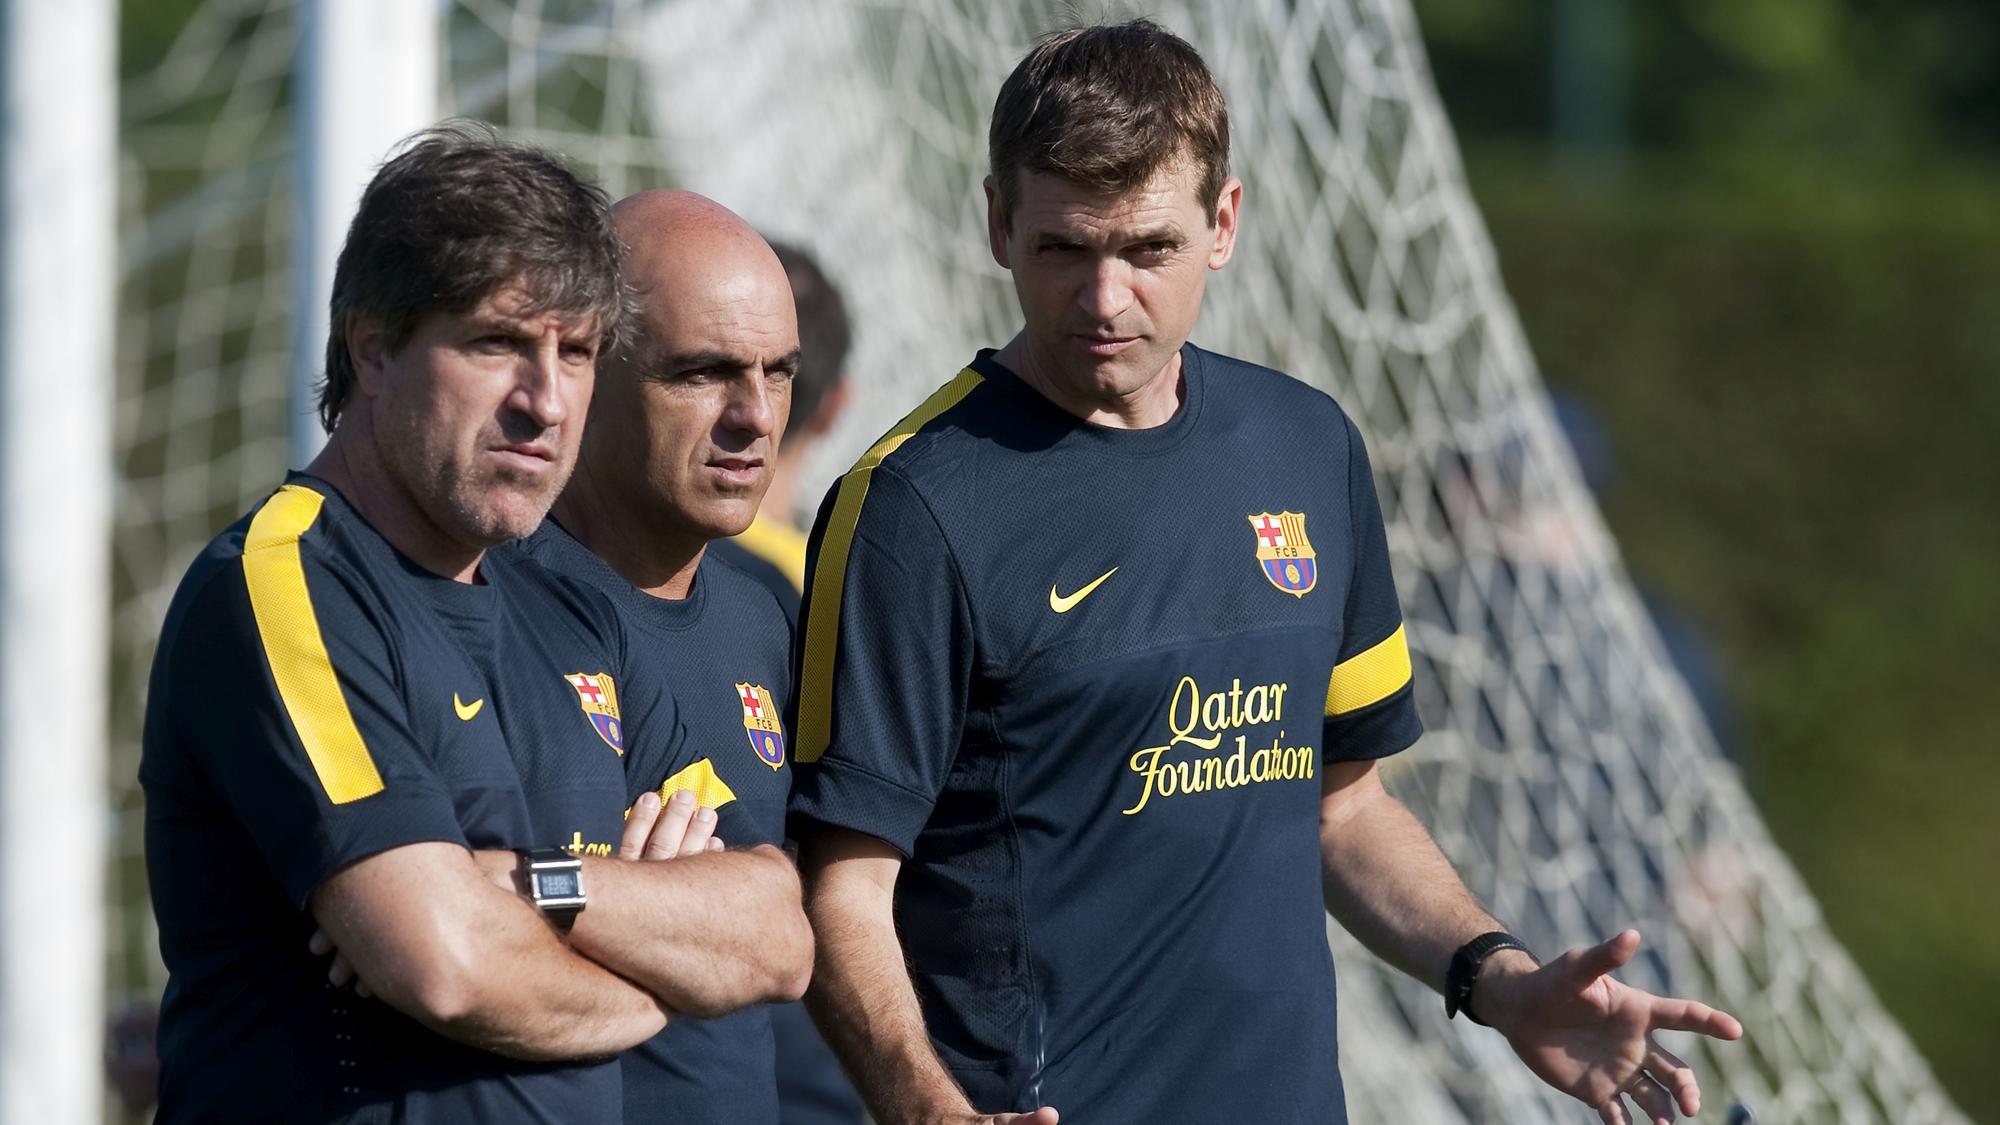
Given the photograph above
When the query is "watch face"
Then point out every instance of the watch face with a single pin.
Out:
(558, 884)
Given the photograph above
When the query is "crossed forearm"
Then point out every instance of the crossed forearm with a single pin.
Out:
(551, 1005)
(423, 928)
(448, 939)
(703, 930)
(706, 934)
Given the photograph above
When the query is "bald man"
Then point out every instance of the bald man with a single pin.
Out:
(679, 450)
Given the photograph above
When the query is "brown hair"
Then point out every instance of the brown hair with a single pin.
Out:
(454, 215)
(1106, 108)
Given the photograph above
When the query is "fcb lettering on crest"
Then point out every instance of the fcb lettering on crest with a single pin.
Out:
(1284, 553)
(760, 722)
(598, 697)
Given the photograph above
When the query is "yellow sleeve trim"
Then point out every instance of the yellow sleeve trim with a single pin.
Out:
(1369, 677)
(295, 649)
(822, 627)
(710, 791)
(779, 544)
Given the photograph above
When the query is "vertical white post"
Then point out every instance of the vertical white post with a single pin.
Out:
(368, 77)
(57, 289)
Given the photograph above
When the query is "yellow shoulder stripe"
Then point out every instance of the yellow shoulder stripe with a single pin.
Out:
(1369, 677)
(295, 649)
(779, 544)
(822, 627)
(710, 791)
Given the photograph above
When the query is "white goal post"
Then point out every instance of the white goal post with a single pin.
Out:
(368, 76)
(57, 278)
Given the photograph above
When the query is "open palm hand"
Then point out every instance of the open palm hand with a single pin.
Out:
(1591, 1036)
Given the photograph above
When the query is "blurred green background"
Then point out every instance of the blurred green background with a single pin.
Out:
(1757, 242)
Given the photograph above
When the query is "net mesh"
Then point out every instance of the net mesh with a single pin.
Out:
(1566, 772)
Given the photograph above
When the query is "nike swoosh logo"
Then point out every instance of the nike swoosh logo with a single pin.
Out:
(466, 710)
(1062, 604)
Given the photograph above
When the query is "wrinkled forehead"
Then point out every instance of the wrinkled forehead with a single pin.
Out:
(1167, 202)
(521, 306)
(735, 300)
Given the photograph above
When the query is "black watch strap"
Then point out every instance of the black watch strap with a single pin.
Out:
(1464, 972)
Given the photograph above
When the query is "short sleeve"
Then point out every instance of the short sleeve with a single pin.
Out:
(280, 688)
(885, 663)
(1370, 709)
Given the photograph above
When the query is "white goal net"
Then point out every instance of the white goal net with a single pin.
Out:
(1566, 771)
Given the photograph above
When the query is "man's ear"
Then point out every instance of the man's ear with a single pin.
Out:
(996, 226)
(1228, 213)
(368, 351)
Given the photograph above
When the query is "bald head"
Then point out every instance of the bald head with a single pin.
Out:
(685, 425)
(691, 260)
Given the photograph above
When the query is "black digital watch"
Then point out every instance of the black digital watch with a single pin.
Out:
(555, 883)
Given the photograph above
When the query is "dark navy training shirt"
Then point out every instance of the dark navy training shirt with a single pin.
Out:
(317, 698)
(1087, 681)
(725, 653)
(772, 553)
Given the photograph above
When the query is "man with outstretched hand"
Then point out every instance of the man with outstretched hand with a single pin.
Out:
(1101, 650)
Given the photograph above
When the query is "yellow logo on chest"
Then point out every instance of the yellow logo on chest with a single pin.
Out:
(1202, 723)
(1062, 603)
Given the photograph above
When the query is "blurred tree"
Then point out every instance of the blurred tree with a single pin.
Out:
(1872, 79)
(146, 29)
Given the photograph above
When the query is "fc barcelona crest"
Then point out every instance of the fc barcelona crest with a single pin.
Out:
(760, 721)
(598, 697)
(1284, 551)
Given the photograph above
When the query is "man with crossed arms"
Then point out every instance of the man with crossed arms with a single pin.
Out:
(681, 445)
(363, 722)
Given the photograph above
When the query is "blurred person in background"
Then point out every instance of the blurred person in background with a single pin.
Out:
(363, 721)
(1083, 759)
(683, 441)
